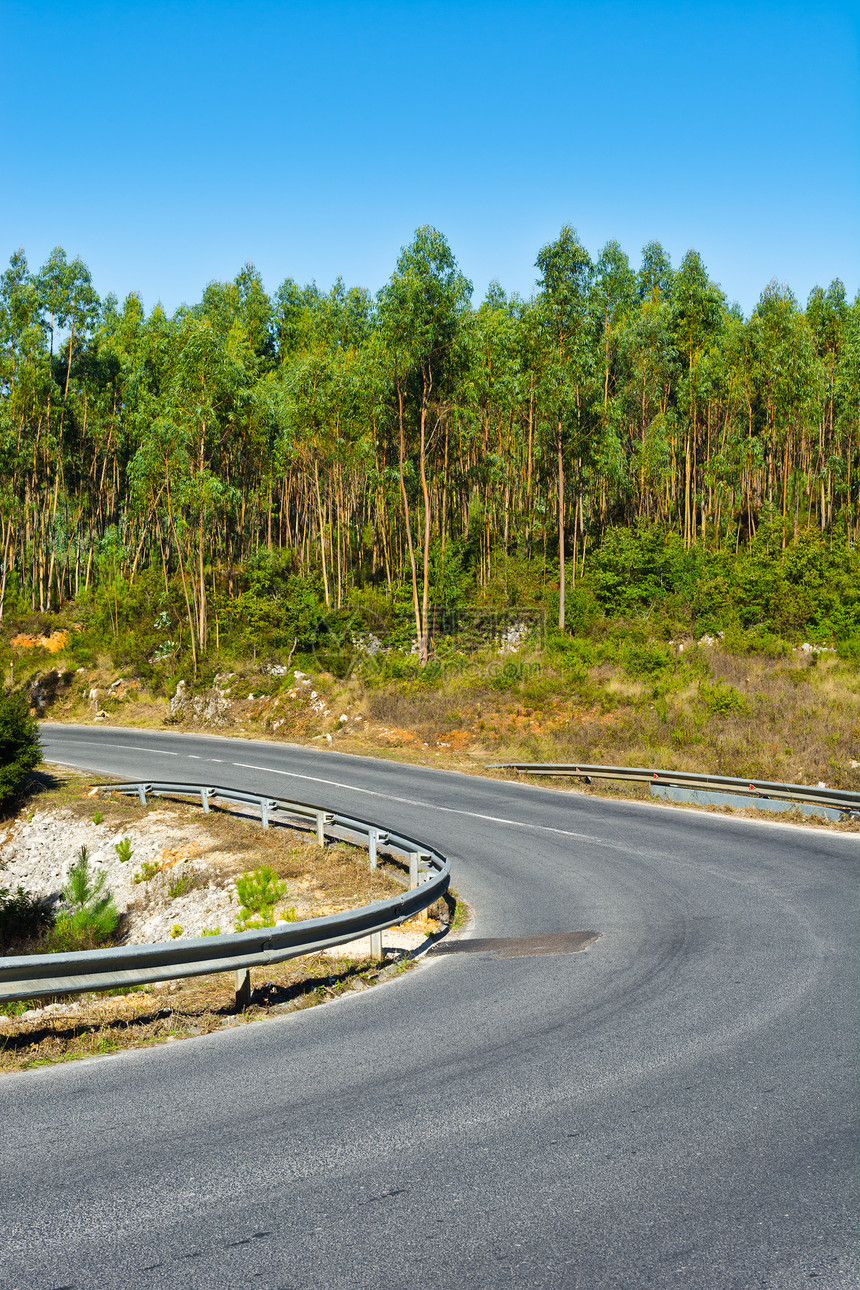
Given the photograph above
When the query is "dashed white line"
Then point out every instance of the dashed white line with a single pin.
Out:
(125, 747)
(449, 810)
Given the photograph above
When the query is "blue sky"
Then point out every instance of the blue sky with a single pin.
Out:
(167, 144)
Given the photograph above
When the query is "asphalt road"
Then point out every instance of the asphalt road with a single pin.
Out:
(674, 1107)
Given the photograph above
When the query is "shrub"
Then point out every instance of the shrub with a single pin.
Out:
(258, 892)
(23, 917)
(91, 916)
(147, 871)
(20, 750)
(722, 698)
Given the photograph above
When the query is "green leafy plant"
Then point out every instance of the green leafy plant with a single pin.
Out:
(91, 917)
(211, 931)
(98, 818)
(123, 850)
(184, 882)
(23, 917)
(722, 698)
(147, 871)
(20, 750)
(175, 932)
(259, 892)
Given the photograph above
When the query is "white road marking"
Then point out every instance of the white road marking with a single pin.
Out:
(125, 747)
(449, 810)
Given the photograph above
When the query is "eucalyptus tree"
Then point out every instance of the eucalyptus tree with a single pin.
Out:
(565, 279)
(614, 299)
(656, 277)
(848, 411)
(696, 311)
(650, 366)
(827, 315)
(786, 375)
(421, 312)
(497, 389)
(24, 382)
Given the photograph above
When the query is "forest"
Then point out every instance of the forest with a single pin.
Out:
(238, 470)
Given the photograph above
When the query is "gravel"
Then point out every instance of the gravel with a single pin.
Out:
(39, 852)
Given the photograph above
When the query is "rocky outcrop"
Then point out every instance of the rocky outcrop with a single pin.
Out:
(44, 688)
(211, 708)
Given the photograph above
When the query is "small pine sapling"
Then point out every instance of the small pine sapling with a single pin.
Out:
(123, 850)
(91, 916)
(259, 893)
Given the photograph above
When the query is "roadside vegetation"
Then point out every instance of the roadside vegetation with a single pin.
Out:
(615, 521)
(264, 868)
(736, 663)
(20, 751)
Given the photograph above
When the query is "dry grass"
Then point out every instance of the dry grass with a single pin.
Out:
(179, 1010)
(792, 719)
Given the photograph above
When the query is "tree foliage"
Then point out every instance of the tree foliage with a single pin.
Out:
(159, 463)
(20, 749)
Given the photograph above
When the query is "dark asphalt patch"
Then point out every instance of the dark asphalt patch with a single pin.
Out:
(513, 947)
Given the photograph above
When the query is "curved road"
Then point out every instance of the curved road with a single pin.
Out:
(674, 1107)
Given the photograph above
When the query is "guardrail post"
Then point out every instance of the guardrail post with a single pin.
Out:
(320, 829)
(414, 857)
(204, 799)
(376, 945)
(243, 988)
(141, 792)
(372, 839)
(264, 813)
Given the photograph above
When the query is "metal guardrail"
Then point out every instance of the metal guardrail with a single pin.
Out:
(33, 975)
(841, 800)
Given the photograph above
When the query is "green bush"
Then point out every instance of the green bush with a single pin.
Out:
(23, 917)
(258, 893)
(20, 750)
(722, 698)
(91, 917)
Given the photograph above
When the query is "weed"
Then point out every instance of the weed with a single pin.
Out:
(147, 871)
(23, 917)
(186, 881)
(15, 1009)
(98, 818)
(211, 931)
(175, 931)
(123, 850)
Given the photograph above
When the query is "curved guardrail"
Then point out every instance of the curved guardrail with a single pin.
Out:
(757, 791)
(30, 976)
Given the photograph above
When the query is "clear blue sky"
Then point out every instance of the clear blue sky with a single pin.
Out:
(167, 144)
